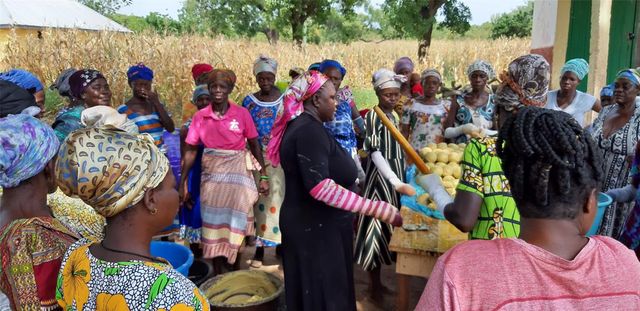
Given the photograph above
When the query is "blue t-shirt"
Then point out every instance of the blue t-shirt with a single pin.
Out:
(263, 115)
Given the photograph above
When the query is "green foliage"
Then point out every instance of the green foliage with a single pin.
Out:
(105, 7)
(411, 18)
(517, 23)
(134, 23)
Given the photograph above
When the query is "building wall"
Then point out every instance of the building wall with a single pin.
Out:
(544, 28)
(7, 34)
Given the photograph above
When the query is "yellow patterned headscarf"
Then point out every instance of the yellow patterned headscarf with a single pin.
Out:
(108, 169)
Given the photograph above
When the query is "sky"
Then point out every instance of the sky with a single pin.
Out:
(481, 10)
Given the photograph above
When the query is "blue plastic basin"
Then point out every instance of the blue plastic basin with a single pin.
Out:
(603, 202)
(179, 256)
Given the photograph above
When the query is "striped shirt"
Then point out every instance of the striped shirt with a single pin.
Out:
(149, 123)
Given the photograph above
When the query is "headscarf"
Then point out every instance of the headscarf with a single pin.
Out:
(139, 72)
(525, 83)
(200, 69)
(62, 82)
(265, 64)
(299, 71)
(630, 74)
(578, 66)
(226, 75)
(314, 66)
(28, 145)
(385, 78)
(79, 81)
(482, 66)
(330, 63)
(403, 63)
(200, 90)
(16, 100)
(607, 90)
(430, 73)
(300, 90)
(108, 169)
(22, 78)
(107, 117)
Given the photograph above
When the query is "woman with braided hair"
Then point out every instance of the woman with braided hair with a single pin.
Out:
(616, 132)
(483, 205)
(555, 172)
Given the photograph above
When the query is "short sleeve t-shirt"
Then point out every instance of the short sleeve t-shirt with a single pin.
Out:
(482, 175)
(511, 274)
(425, 122)
(227, 132)
(580, 105)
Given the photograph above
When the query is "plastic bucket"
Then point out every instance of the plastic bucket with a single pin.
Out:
(179, 256)
(603, 202)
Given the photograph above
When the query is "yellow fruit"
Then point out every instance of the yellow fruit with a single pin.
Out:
(432, 146)
(431, 157)
(455, 157)
(443, 156)
(424, 151)
(430, 166)
(447, 184)
(449, 178)
(457, 172)
(437, 170)
(442, 145)
(447, 171)
(441, 164)
(452, 146)
(462, 146)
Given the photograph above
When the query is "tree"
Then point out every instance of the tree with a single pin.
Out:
(105, 7)
(416, 18)
(516, 23)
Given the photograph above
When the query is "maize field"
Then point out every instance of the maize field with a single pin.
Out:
(171, 59)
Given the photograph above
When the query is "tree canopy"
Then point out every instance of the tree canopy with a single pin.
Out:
(517, 23)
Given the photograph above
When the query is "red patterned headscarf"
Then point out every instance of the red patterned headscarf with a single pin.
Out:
(300, 90)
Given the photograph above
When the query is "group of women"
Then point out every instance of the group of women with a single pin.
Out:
(284, 166)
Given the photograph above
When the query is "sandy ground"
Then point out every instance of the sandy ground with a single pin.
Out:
(273, 265)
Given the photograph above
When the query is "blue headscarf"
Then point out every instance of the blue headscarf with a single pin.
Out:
(27, 146)
(200, 90)
(631, 75)
(578, 66)
(22, 78)
(314, 66)
(330, 63)
(607, 90)
(139, 72)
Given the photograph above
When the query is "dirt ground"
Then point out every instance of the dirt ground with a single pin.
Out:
(273, 265)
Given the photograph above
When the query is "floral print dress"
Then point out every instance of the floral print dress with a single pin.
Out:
(425, 122)
(88, 283)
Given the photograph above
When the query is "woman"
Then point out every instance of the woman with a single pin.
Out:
(190, 218)
(32, 241)
(228, 189)
(145, 108)
(422, 120)
(606, 95)
(472, 111)
(199, 73)
(347, 115)
(384, 177)
(87, 88)
(131, 185)
(616, 132)
(16, 100)
(404, 66)
(316, 217)
(263, 107)
(568, 98)
(483, 205)
(552, 265)
(29, 82)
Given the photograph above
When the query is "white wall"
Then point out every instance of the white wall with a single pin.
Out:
(544, 23)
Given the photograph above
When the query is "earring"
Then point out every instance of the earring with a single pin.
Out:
(153, 211)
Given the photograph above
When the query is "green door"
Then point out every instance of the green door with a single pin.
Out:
(579, 35)
(622, 36)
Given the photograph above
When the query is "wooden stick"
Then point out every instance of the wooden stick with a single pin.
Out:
(412, 154)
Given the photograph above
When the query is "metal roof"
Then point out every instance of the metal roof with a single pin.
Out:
(53, 14)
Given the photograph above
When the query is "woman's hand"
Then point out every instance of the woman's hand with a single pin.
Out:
(183, 192)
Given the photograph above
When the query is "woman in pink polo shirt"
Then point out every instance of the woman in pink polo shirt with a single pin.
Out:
(228, 190)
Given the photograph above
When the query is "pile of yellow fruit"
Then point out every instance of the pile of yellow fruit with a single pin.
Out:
(443, 160)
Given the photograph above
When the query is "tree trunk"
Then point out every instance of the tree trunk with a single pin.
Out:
(297, 31)
(428, 13)
(272, 35)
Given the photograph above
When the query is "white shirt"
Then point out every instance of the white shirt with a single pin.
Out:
(580, 105)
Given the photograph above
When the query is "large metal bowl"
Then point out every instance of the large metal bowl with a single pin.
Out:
(268, 304)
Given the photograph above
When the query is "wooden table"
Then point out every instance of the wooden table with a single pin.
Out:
(418, 251)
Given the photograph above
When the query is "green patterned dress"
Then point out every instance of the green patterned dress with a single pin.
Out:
(482, 175)
(373, 237)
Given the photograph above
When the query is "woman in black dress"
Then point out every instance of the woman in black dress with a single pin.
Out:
(317, 214)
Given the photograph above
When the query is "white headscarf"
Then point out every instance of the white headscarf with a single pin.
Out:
(385, 78)
(264, 64)
(105, 116)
